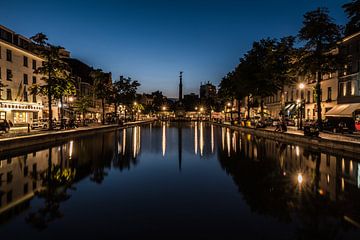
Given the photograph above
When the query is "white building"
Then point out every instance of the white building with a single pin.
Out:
(17, 66)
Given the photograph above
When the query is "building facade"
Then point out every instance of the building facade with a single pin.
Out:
(17, 65)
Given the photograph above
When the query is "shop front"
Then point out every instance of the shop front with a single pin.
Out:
(20, 113)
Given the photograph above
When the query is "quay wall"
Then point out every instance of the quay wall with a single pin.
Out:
(47, 138)
(315, 143)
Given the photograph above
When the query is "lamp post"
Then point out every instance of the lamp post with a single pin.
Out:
(229, 107)
(302, 87)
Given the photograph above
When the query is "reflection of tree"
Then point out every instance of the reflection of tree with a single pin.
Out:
(55, 183)
(269, 191)
(261, 183)
(124, 159)
(98, 168)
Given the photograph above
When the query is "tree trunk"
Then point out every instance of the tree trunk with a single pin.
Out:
(103, 110)
(83, 115)
(262, 109)
(125, 114)
(50, 109)
(248, 107)
(318, 100)
(282, 103)
(116, 110)
(49, 95)
(61, 113)
(239, 109)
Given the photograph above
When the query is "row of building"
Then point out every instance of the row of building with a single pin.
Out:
(17, 65)
(340, 90)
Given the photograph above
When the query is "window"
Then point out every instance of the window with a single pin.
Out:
(348, 88)
(34, 98)
(34, 80)
(292, 95)
(25, 79)
(314, 96)
(34, 64)
(342, 89)
(329, 94)
(26, 188)
(9, 177)
(8, 55)
(8, 75)
(308, 97)
(25, 61)
(25, 96)
(8, 94)
(26, 171)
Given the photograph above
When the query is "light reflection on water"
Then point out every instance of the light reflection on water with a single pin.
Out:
(305, 193)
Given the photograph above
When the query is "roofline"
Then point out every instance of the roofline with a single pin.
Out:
(22, 49)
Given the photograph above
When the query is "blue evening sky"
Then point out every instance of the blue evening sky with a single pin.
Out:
(152, 40)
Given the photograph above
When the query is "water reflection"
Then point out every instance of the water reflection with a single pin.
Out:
(313, 193)
(163, 138)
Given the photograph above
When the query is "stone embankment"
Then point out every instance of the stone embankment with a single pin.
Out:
(347, 146)
(46, 138)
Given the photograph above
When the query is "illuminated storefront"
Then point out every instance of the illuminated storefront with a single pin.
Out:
(20, 113)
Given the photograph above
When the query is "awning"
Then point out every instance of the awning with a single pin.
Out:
(343, 110)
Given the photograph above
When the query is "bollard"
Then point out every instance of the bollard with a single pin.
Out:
(28, 127)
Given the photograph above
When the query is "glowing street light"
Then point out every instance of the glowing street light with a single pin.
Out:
(300, 178)
(301, 86)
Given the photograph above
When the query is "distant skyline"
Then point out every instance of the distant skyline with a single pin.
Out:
(152, 41)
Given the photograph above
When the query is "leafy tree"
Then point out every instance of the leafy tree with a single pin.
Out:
(82, 105)
(320, 35)
(158, 100)
(102, 88)
(124, 92)
(54, 71)
(352, 10)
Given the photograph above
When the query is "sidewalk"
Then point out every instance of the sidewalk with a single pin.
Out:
(351, 138)
(16, 132)
(355, 138)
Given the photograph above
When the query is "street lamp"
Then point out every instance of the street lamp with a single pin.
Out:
(226, 110)
(301, 101)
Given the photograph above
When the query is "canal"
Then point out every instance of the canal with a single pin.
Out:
(177, 180)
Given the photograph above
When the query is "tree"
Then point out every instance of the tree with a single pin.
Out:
(124, 92)
(320, 35)
(352, 11)
(64, 86)
(102, 88)
(54, 71)
(158, 100)
(82, 105)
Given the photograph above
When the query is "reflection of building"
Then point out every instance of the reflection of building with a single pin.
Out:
(17, 64)
(20, 176)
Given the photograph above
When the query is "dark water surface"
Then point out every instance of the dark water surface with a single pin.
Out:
(189, 181)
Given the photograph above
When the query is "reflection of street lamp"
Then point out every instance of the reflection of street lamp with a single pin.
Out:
(301, 86)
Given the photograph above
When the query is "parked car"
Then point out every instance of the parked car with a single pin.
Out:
(4, 125)
(339, 124)
(40, 123)
(311, 130)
